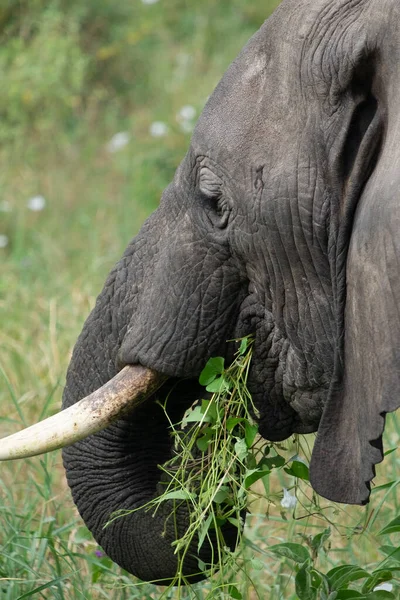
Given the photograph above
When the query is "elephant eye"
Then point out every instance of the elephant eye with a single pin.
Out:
(213, 200)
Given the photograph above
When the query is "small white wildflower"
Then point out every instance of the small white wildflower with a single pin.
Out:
(118, 141)
(186, 126)
(158, 129)
(186, 113)
(5, 206)
(387, 587)
(183, 59)
(289, 500)
(149, 1)
(36, 203)
(3, 241)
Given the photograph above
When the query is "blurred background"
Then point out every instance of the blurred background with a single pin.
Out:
(98, 100)
(97, 103)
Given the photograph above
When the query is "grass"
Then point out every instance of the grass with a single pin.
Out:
(50, 274)
(213, 466)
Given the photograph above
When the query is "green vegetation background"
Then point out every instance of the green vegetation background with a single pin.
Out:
(74, 73)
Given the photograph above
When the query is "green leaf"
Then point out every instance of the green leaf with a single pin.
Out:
(273, 462)
(390, 451)
(203, 442)
(377, 577)
(202, 565)
(214, 367)
(304, 588)
(221, 495)
(340, 577)
(292, 551)
(251, 461)
(196, 415)
(241, 449)
(317, 579)
(234, 593)
(203, 531)
(253, 475)
(319, 540)
(176, 495)
(250, 433)
(210, 408)
(231, 422)
(349, 595)
(218, 386)
(391, 552)
(243, 345)
(235, 522)
(298, 469)
(392, 527)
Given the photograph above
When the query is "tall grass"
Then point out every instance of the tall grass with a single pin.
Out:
(132, 67)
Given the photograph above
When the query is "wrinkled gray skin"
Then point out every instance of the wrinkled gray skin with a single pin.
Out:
(283, 220)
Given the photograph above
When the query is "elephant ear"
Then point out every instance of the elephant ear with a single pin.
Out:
(367, 383)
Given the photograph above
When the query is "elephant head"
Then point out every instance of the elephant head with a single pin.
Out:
(282, 221)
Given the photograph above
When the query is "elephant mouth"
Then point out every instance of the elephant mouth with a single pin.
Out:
(131, 387)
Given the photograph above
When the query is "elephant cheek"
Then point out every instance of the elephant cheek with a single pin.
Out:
(176, 333)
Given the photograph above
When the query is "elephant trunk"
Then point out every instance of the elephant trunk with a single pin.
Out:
(116, 471)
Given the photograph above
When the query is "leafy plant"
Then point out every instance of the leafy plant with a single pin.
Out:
(218, 457)
(215, 462)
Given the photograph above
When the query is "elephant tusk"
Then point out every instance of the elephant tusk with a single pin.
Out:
(129, 388)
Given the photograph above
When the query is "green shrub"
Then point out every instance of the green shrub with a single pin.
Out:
(62, 61)
(44, 75)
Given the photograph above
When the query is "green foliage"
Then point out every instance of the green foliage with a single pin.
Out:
(43, 73)
(218, 458)
(62, 61)
(214, 464)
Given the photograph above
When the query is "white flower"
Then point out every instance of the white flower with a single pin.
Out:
(183, 59)
(288, 500)
(187, 126)
(387, 587)
(36, 203)
(185, 118)
(158, 129)
(5, 206)
(186, 113)
(118, 141)
(3, 241)
(149, 1)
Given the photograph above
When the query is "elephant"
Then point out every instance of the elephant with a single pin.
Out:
(280, 223)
